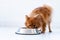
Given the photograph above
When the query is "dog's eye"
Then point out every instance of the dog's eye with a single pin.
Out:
(34, 25)
(29, 25)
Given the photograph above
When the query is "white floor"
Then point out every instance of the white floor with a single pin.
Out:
(8, 33)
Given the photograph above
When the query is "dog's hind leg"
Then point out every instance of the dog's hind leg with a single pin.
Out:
(49, 22)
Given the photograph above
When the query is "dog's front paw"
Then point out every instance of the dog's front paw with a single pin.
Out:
(42, 32)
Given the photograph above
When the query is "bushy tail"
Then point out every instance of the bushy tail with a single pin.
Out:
(48, 7)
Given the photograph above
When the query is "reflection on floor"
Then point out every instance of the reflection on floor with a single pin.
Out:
(8, 33)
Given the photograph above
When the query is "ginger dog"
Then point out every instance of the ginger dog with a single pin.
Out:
(39, 18)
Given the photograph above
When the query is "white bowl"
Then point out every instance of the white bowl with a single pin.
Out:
(24, 30)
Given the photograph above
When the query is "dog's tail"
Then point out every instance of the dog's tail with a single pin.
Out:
(48, 7)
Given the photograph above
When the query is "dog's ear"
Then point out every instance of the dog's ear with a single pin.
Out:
(27, 17)
(36, 16)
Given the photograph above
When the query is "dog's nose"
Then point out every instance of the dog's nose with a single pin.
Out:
(35, 27)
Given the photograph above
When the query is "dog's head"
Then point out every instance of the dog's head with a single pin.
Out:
(32, 22)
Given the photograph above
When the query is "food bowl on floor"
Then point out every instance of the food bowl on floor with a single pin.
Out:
(26, 31)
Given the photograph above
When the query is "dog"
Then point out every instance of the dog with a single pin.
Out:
(39, 18)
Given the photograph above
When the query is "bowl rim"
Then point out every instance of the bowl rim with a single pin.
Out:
(27, 28)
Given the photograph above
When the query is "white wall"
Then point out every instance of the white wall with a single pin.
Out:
(12, 12)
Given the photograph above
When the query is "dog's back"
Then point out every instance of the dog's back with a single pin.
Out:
(44, 11)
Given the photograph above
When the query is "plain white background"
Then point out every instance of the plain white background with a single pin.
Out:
(12, 16)
(12, 12)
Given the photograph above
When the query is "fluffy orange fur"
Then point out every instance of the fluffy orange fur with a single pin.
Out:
(39, 18)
